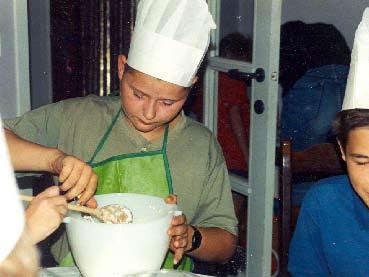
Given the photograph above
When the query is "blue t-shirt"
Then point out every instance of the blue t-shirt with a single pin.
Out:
(311, 104)
(332, 233)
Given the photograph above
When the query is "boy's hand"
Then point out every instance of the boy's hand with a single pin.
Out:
(77, 179)
(178, 232)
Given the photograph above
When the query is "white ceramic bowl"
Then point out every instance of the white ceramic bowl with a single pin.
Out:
(116, 249)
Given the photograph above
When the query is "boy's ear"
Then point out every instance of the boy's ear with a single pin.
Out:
(342, 149)
(121, 66)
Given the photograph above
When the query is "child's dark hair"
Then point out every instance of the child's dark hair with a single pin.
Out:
(236, 45)
(348, 120)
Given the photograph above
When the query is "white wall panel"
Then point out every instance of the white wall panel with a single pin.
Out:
(14, 59)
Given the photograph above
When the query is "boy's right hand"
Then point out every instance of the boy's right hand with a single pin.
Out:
(45, 213)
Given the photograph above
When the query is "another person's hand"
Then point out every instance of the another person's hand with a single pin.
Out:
(178, 232)
(45, 213)
(77, 178)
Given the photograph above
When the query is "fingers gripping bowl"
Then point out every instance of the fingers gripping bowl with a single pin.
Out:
(101, 249)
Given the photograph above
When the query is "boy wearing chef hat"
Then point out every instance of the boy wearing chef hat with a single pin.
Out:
(18, 255)
(142, 142)
(332, 233)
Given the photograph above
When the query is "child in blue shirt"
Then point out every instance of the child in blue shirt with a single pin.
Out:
(332, 233)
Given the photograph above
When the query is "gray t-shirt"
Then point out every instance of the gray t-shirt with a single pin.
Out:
(199, 173)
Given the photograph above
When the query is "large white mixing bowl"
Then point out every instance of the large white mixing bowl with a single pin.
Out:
(116, 249)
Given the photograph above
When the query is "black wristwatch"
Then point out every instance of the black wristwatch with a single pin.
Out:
(196, 239)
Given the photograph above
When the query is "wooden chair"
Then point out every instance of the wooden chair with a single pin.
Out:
(320, 160)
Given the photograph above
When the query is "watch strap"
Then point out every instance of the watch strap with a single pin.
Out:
(196, 239)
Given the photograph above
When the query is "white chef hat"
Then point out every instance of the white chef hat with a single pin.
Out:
(170, 39)
(357, 89)
(11, 209)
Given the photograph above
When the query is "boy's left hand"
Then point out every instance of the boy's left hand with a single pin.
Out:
(178, 232)
(77, 178)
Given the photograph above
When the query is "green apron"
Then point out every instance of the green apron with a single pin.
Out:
(144, 172)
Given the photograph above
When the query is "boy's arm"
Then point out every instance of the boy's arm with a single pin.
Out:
(77, 177)
(29, 156)
(211, 249)
(215, 217)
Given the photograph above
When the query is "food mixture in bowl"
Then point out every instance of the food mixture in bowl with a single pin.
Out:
(112, 214)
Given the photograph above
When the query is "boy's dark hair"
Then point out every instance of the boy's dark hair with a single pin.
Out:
(236, 45)
(348, 120)
(306, 46)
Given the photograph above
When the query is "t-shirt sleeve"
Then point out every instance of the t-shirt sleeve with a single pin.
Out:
(216, 205)
(306, 257)
(41, 126)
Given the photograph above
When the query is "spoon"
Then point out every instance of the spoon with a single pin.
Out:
(111, 214)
